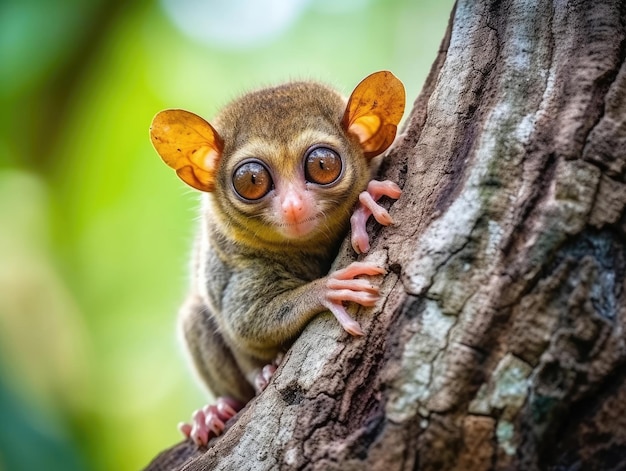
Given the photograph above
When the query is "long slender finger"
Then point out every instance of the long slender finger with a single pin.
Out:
(185, 428)
(359, 238)
(380, 214)
(213, 422)
(356, 269)
(199, 431)
(385, 188)
(227, 407)
(355, 284)
(364, 299)
(349, 325)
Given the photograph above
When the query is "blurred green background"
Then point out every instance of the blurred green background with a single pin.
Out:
(95, 230)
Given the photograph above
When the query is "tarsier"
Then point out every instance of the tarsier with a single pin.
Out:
(282, 170)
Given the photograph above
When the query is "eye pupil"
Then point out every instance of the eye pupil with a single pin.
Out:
(322, 166)
(252, 180)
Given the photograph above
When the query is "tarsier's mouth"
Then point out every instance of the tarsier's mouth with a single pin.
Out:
(301, 228)
(304, 221)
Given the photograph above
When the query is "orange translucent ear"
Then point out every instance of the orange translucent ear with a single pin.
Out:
(374, 111)
(189, 145)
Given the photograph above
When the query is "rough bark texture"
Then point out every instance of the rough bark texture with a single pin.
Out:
(500, 343)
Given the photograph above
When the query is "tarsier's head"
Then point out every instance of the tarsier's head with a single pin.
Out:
(284, 164)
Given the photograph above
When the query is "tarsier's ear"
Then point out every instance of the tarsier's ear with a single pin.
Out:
(374, 111)
(189, 145)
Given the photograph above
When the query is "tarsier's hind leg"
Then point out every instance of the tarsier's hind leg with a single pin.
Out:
(217, 367)
(212, 357)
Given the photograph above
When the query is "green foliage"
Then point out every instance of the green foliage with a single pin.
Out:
(95, 230)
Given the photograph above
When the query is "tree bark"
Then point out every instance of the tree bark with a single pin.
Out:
(500, 341)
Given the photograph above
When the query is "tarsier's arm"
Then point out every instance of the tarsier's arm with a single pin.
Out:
(262, 324)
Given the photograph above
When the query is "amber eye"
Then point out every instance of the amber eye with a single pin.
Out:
(322, 166)
(252, 180)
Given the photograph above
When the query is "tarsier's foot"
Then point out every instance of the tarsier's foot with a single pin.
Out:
(209, 421)
(263, 378)
(342, 285)
(368, 206)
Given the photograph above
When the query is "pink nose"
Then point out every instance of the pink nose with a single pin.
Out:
(292, 207)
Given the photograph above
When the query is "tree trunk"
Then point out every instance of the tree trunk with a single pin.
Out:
(500, 342)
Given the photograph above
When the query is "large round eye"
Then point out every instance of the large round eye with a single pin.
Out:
(252, 180)
(322, 166)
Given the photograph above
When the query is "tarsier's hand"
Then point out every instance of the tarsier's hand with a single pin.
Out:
(342, 285)
(368, 206)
